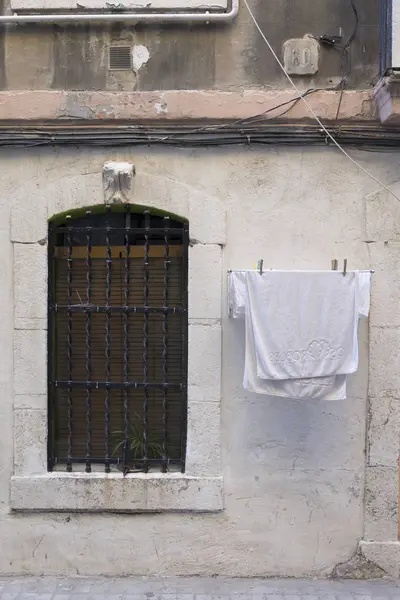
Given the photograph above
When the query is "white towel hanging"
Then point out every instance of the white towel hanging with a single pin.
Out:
(329, 387)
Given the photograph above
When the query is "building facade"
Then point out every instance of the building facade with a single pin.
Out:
(191, 122)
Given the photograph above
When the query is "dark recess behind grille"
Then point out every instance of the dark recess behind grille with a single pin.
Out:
(71, 398)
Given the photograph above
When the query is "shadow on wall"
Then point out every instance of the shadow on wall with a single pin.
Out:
(289, 435)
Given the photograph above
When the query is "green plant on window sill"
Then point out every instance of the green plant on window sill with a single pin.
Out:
(135, 448)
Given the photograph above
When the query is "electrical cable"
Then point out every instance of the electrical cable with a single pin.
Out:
(346, 53)
(292, 101)
(364, 137)
(259, 116)
(247, 120)
(318, 120)
(340, 98)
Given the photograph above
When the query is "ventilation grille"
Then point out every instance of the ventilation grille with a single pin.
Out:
(120, 58)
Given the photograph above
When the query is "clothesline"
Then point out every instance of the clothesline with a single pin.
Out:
(300, 270)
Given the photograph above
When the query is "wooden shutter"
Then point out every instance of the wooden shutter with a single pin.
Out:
(176, 350)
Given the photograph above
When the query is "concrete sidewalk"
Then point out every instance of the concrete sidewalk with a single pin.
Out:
(193, 588)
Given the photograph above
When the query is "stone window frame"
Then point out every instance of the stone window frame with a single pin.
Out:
(32, 487)
(73, 5)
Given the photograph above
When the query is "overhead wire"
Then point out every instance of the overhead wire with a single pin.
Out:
(292, 102)
(258, 132)
(346, 54)
(256, 117)
(317, 119)
(260, 116)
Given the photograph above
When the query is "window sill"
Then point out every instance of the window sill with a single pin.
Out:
(100, 492)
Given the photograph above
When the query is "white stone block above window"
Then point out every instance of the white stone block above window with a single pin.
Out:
(123, 5)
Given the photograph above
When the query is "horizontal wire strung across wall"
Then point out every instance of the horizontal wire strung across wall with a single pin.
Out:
(253, 130)
(118, 342)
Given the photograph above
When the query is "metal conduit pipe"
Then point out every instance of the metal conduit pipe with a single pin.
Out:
(128, 17)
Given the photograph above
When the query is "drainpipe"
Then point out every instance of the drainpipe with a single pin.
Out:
(127, 17)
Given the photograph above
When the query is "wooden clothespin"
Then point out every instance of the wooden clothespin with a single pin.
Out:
(345, 266)
(334, 264)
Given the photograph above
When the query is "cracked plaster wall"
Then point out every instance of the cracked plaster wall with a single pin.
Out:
(294, 472)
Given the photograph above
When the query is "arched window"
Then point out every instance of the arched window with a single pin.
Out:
(117, 340)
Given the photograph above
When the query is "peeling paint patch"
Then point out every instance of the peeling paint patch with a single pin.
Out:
(161, 108)
(140, 56)
(177, 104)
(104, 112)
(358, 567)
(75, 110)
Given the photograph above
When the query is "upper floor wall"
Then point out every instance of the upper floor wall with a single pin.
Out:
(223, 57)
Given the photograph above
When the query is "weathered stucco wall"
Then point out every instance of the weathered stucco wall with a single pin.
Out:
(191, 57)
(65, 107)
(294, 472)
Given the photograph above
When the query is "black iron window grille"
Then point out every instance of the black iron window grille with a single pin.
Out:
(117, 341)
